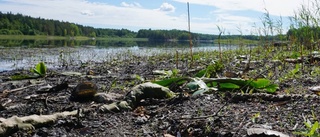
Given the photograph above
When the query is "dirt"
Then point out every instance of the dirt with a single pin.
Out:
(206, 115)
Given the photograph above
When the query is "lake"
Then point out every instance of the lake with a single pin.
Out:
(25, 54)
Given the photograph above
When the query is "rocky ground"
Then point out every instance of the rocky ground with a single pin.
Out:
(216, 114)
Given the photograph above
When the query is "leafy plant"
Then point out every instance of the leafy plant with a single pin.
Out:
(312, 129)
(236, 83)
(294, 71)
(168, 82)
(211, 70)
(40, 69)
(203, 85)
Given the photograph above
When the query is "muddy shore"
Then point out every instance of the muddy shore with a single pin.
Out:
(206, 115)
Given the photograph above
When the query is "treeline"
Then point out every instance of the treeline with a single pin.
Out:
(181, 35)
(304, 34)
(18, 24)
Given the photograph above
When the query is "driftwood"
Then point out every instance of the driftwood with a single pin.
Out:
(14, 123)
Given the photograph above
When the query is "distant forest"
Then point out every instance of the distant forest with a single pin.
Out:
(18, 24)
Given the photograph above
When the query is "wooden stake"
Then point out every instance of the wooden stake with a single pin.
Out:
(190, 37)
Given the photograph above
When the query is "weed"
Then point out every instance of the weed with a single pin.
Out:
(312, 129)
(40, 69)
(255, 117)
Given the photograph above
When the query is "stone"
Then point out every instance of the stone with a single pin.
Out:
(103, 98)
(84, 91)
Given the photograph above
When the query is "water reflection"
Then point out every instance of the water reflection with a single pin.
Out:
(55, 53)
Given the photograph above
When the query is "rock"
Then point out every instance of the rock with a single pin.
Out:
(141, 120)
(115, 107)
(265, 132)
(84, 91)
(230, 74)
(149, 90)
(104, 97)
(315, 89)
(242, 57)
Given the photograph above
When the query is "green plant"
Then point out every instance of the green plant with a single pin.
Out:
(175, 72)
(202, 85)
(211, 70)
(312, 129)
(20, 77)
(315, 71)
(294, 72)
(221, 30)
(40, 69)
(255, 117)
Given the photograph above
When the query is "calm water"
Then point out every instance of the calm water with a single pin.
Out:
(24, 54)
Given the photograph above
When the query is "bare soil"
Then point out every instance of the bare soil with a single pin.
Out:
(206, 115)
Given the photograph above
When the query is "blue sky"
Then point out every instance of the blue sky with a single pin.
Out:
(234, 16)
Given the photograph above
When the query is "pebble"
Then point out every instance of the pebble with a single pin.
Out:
(141, 120)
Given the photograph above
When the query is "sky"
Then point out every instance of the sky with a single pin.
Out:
(231, 16)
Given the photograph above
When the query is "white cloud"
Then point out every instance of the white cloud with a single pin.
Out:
(200, 19)
(87, 12)
(275, 7)
(101, 14)
(222, 8)
(134, 16)
(167, 7)
(132, 5)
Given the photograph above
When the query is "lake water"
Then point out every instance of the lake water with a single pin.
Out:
(25, 54)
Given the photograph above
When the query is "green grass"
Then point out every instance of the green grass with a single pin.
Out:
(237, 41)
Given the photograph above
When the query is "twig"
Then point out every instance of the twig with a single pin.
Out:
(22, 88)
(190, 38)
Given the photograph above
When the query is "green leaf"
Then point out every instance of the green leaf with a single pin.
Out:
(168, 82)
(40, 69)
(271, 88)
(201, 73)
(307, 124)
(260, 83)
(35, 71)
(236, 83)
(212, 84)
(228, 86)
(314, 128)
